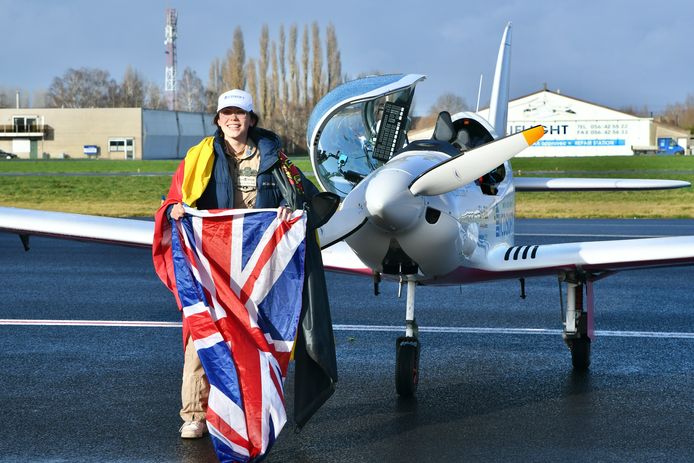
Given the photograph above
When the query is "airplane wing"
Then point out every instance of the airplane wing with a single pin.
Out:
(128, 232)
(594, 184)
(108, 230)
(593, 257)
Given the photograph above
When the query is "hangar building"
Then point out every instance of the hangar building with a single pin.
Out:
(578, 128)
(107, 133)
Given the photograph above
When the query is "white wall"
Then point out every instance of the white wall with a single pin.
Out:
(576, 128)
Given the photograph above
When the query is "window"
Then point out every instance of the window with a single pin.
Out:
(116, 145)
(122, 145)
(25, 124)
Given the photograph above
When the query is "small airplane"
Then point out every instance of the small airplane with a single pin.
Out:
(438, 211)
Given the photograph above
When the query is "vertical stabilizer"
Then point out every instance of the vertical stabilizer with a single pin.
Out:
(498, 105)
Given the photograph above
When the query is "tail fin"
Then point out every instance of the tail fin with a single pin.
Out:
(498, 105)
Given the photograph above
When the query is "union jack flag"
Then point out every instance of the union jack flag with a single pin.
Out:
(239, 278)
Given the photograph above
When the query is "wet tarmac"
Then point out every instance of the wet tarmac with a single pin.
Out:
(496, 379)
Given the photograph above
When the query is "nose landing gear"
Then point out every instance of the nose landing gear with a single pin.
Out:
(406, 366)
(407, 350)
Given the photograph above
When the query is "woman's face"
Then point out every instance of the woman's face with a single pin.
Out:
(234, 123)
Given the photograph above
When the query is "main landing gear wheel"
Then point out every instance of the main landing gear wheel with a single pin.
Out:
(406, 365)
(578, 323)
(580, 353)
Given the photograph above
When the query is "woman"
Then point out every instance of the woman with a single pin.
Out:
(241, 166)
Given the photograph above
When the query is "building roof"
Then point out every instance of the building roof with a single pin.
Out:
(548, 105)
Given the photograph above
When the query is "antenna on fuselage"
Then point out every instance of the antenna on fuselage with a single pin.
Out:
(498, 104)
(479, 93)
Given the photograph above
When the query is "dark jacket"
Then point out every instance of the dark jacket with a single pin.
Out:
(219, 193)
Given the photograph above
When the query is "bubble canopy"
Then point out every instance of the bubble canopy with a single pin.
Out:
(357, 126)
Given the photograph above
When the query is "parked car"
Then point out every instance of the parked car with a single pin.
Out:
(6, 155)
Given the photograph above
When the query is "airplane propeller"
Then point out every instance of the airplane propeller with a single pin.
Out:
(345, 221)
(473, 164)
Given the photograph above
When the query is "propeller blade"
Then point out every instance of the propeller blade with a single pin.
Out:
(471, 165)
(342, 224)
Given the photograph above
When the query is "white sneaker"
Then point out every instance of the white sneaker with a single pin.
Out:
(193, 429)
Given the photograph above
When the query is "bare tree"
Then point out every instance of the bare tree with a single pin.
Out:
(317, 85)
(643, 111)
(8, 97)
(4, 98)
(293, 68)
(252, 80)
(304, 66)
(448, 102)
(681, 114)
(278, 79)
(154, 97)
(132, 89)
(283, 104)
(38, 99)
(234, 71)
(262, 70)
(191, 93)
(215, 86)
(334, 61)
(83, 88)
(283, 68)
(274, 93)
(293, 98)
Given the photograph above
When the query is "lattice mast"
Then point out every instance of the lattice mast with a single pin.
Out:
(170, 43)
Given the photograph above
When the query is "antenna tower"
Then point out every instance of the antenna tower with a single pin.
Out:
(170, 43)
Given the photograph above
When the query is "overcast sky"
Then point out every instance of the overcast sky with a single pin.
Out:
(612, 52)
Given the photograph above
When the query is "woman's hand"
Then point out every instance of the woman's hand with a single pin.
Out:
(283, 213)
(177, 211)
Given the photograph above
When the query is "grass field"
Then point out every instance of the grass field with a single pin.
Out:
(635, 204)
(97, 186)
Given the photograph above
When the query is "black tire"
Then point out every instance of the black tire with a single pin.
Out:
(406, 366)
(580, 353)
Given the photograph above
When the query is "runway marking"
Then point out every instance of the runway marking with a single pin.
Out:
(118, 323)
(474, 330)
(590, 235)
(372, 328)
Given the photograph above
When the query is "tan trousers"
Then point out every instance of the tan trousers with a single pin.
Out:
(194, 388)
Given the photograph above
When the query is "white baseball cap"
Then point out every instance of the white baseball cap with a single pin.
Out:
(237, 98)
